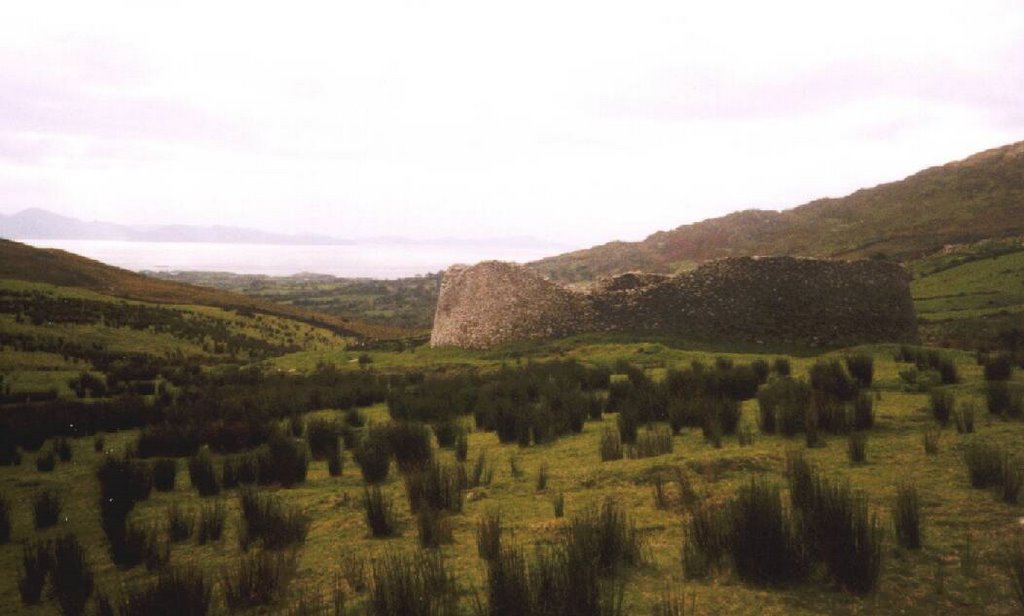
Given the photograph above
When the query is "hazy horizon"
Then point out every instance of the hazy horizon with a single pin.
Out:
(576, 123)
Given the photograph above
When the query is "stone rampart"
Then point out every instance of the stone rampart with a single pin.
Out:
(769, 299)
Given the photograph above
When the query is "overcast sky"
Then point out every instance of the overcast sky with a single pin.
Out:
(579, 122)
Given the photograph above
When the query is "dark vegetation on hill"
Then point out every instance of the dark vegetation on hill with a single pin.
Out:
(403, 302)
(57, 267)
(966, 201)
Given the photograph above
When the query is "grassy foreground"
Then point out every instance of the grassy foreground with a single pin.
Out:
(960, 568)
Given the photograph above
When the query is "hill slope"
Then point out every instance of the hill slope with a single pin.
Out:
(965, 201)
(57, 267)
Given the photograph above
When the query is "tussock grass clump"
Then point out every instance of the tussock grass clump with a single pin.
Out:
(179, 523)
(63, 449)
(488, 535)
(763, 540)
(654, 441)
(261, 578)
(931, 439)
(240, 469)
(963, 417)
(829, 377)
(1012, 477)
(782, 405)
(380, 517)
(36, 562)
(46, 508)
(998, 367)
(628, 422)
(285, 461)
(1004, 400)
(141, 543)
(446, 432)
(509, 592)
(269, 519)
(462, 446)
(165, 471)
(123, 483)
(335, 459)
(558, 504)
(355, 572)
(906, 517)
(812, 435)
(211, 522)
(782, 367)
(410, 444)
(941, 404)
(864, 411)
(542, 477)
(355, 418)
(46, 461)
(610, 447)
(1014, 563)
(607, 534)
(671, 604)
(857, 447)
(99, 444)
(412, 585)
(482, 473)
(71, 576)
(374, 456)
(707, 539)
(5, 520)
(183, 590)
(862, 368)
(203, 474)
(436, 486)
(984, 464)
(434, 528)
(322, 436)
(513, 466)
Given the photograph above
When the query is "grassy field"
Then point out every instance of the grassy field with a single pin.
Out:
(959, 570)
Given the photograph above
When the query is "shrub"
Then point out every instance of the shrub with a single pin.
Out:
(931, 441)
(261, 578)
(72, 577)
(412, 585)
(380, 517)
(335, 460)
(907, 517)
(1011, 479)
(862, 368)
(558, 504)
(46, 461)
(180, 590)
(203, 474)
(628, 422)
(46, 506)
(941, 404)
(482, 472)
(36, 562)
(436, 487)
(211, 522)
(829, 377)
(165, 471)
(606, 534)
(763, 542)
(863, 411)
(964, 418)
(5, 520)
(542, 477)
(374, 456)
(434, 527)
(410, 444)
(179, 523)
(284, 462)
(63, 449)
(856, 447)
(611, 445)
(488, 535)
(322, 436)
(998, 367)
(269, 519)
(461, 446)
(654, 441)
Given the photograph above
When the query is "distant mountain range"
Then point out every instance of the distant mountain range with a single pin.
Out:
(40, 224)
(977, 198)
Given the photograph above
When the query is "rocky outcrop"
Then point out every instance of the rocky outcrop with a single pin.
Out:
(770, 300)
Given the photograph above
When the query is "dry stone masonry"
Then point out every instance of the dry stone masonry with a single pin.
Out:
(754, 299)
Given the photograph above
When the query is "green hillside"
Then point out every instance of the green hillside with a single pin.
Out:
(977, 198)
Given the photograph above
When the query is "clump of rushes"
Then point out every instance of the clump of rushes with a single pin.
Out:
(334, 459)
(99, 444)
(482, 472)
(1012, 479)
(412, 585)
(261, 578)
(863, 411)
(861, 367)
(165, 471)
(203, 474)
(461, 446)
(36, 562)
(5, 520)
(434, 528)
(907, 517)
(763, 541)
(931, 441)
(611, 445)
(437, 486)
(211, 522)
(488, 535)
(380, 517)
(269, 519)
(374, 456)
(46, 507)
(46, 461)
(72, 577)
(1015, 568)
(984, 464)
(964, 418)
(857, 446)
(184, 588)
(558, 503)
(63, 449)
(179, 523)
(542, 477)
(941, 404)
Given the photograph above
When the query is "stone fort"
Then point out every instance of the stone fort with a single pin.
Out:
(787, 300)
